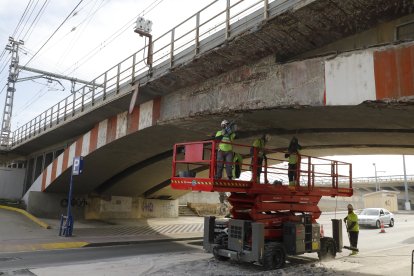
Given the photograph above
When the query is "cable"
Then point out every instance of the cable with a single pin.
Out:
(3, 89)
(5, 64)
(59, 40)
(27, 19)
(88, 18)
(54, 33)
(36, 20)
(110, 39)
(21, 18)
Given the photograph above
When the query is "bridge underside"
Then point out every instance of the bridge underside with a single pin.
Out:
(283, 100)
(140, 163)
(293, 29)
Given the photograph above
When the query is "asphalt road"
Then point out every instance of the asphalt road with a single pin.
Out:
(10, 262)
(386, 253)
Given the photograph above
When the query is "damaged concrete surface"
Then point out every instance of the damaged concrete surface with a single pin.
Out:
(293, 28)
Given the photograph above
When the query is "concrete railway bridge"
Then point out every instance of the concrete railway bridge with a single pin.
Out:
(337, 74)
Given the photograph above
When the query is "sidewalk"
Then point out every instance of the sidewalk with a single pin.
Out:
(18, 233)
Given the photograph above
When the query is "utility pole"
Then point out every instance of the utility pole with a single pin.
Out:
(13, 47)
(14, 70)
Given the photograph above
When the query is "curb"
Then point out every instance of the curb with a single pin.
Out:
(41, 246)
(80, 244)
(28, 215)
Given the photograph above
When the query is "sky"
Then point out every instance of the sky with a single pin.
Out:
(95, 37)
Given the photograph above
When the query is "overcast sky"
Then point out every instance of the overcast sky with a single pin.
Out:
(84, 47)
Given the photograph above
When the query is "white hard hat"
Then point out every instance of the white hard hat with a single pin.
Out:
(267, 137)
(224, 122)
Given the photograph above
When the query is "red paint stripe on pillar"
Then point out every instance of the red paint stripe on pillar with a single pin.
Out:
(78, 148)
(54, 166)
(44, 180)
(111, 129)
(385, 74)
(405, 58)
(65, 159)
(156, 110)
(133, 120)
(93, 138)
(394, 74)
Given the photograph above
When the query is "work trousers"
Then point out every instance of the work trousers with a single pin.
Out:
(353, 238)
(227, 157)
(292, 173)
(259, 166)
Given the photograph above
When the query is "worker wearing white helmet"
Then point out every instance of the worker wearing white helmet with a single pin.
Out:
(225, 150)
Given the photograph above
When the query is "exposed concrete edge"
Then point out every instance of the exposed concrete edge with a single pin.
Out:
(28, 215)
(41, 246)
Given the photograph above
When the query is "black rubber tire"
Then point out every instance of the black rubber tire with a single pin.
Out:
(378, 224)
(221, 240)
(274, 256)
(391, 223)
(327, 250)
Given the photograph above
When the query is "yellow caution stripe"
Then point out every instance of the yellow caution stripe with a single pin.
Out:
(41, 246)
(28, 215)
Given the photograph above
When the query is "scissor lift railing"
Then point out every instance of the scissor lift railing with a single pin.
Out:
(194, 168)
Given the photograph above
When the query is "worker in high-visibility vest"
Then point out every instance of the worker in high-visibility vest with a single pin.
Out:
(294, 161)
(351, 222)
(259, 146)
(225, 150)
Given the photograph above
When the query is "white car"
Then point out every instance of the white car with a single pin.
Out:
(374, 216)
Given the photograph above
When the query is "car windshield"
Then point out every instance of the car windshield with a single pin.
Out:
(369, 212)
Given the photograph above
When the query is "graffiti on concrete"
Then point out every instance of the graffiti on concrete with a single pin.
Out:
(148, 207)
(78, 202)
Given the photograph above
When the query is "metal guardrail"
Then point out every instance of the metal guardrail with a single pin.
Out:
(169, 50)
(372, 180)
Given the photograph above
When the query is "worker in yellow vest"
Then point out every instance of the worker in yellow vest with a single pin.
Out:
(351, 222)
(259, 146)
(294, 161)
(225, 150)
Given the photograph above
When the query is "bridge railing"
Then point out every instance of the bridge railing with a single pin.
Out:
(219, 20)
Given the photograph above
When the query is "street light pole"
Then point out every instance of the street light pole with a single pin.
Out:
(407, 201)
(376, 179)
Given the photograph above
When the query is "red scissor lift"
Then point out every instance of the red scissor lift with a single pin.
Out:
(274, 210)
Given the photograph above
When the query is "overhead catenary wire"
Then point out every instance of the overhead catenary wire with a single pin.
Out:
(17, 26)
(32, 9)
(22, 18)
(50, 37)
(35, 21)
(60, 39)
(111, 38)
(88, 18)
